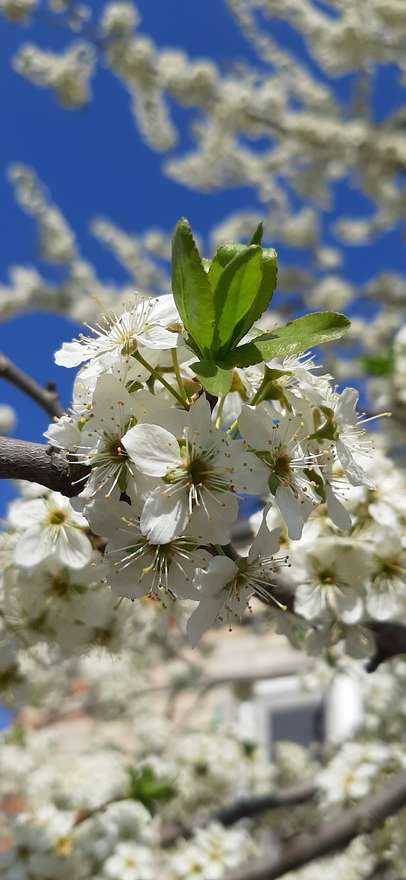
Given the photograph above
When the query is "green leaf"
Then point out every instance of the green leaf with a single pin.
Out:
(214, 379)
(223, 256)
(216, 269)
(256, 237)
(267, 286)
(380, 364)
(228, 251)
(292, 339)
(149, 789)
(224, 259)
(191, 288)
(234, 299)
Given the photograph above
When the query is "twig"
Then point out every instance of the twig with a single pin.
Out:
(84, 815)
(46, 398)
(229, 815)
(244, 808)
(248, 808)
(364, 818)
(38, 463)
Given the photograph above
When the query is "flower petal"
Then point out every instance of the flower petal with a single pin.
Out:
(153, 449)
(73, 548)
(33, 547)
(157, 337)
(25, 514)
(164, 516)
(202, 619)
(294, 511)
(336, 511)
(266, 541)
(212, 580)
(211, 522)
(112, 406)
(72, 354)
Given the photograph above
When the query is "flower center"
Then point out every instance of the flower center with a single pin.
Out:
(198, 471)
(282, 467)
(57, 517)
(326, 578)
(59, 586)
(115, 448)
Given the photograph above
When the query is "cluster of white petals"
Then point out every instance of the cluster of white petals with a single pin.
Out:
(68, 74)
(77, 819)
(167, 470)
(18, 11)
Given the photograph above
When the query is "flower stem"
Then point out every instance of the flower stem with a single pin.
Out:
(259, 394)
(178, 375)
(233, 428)
(156, 375)
(220, 412)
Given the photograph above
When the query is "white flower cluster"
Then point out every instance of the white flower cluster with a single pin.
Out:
(167, 468)
(75, 820)
(339, 37)
(68, 74)
(81, 294)
(343, 584)
(310, 146)
(18, 11)
(358, 769)
(56, 240)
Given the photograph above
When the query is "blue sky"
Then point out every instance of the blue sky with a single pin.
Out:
(94, 163)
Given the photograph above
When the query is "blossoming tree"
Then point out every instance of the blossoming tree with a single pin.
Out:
(194, 390)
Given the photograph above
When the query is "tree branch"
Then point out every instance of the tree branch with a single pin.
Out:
(39, 463)
(228, 815)
(46, 398)
(250, 807)
(364, 818)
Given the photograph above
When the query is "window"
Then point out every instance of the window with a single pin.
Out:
(283, 709)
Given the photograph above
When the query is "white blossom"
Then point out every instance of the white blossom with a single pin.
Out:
(50, 529)
(146, 325)
(225, 587)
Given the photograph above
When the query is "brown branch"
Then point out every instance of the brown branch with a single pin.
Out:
(38, 463)
(229, 815)
(248, 808)
(331, 836)
(244, 808)
(46, 398)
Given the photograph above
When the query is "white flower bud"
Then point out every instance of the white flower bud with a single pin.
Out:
(8, 419)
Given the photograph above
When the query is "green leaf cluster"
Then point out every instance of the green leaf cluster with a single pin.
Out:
(218, 307)
(146, 787)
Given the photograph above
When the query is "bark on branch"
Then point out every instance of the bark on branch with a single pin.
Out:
(248, 808)
(46, 398)
(334, 835)
(228, 815)
(39, 463)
